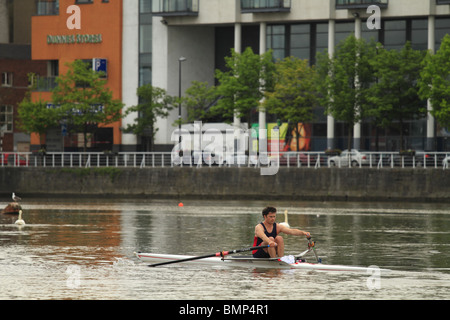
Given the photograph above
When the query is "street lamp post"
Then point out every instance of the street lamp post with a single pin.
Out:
(180, 60)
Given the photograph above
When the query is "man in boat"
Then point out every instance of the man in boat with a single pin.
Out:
(266, 233)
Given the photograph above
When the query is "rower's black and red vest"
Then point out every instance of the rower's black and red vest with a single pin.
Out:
(257, 241)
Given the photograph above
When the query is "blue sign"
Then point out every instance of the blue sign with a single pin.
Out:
(64, 129)
(99, 64)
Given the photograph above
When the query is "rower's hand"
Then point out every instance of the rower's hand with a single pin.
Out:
(272, 244)
(311, 243)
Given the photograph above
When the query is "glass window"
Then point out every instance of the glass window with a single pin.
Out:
(276, 40)
(345, 4)
(145, 38)
(395, 25)
(145, 6)
(394, 34)
(300, 41)
(47, 7)
(145, 75)
(145, 42)
(369, 34)
(321, 37)
(7, 79)
(166, 6)
(419, 34)
(300, 28)
(146, 59)
(442, 28)
(343, 30)
(6, 118)
(264, 4)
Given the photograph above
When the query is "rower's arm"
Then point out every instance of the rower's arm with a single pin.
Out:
(295, 232)
(259, 232)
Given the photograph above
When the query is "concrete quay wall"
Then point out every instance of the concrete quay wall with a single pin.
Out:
(356, 184)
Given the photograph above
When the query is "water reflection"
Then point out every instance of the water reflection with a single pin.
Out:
(100, 237)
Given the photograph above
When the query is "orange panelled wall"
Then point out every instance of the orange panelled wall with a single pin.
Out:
(96, 18)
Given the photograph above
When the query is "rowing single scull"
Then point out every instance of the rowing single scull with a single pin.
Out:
(287, 262)
(248, 261)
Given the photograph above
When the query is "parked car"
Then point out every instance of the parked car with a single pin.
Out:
(446, 162)
(13, 159)
(214, 159)
(414, 158)
(349, 158)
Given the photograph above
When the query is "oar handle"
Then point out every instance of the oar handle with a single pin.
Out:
(247, 249)
(312, 245)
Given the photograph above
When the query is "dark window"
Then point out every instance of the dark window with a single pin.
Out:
(419, 34)
(442, 27)
(276, 40)
(394, 34)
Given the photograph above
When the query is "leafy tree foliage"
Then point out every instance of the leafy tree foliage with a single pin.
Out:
(294, 95)
(435, 82)
(242, 87)
(394, 97)
(36, 117)
(345, 80)
(83, 102)
(199, 99)
(154, 103)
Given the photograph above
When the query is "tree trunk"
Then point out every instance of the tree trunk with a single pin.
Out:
(350, 135)
(402, 144)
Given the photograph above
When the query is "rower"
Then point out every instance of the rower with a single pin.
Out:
(267, 233)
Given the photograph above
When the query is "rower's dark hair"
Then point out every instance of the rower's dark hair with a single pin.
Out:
(268, 210)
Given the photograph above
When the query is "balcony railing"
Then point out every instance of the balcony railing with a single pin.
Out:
(255, 6)
(167, 8)
(47, 7)
(360, 4)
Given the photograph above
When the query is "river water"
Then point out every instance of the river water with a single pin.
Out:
(83, 249)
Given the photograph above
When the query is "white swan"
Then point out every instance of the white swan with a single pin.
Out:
(20, 221)
(285, 223)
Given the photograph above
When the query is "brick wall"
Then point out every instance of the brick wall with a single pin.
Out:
(15, 94)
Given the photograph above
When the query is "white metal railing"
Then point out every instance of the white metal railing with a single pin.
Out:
(376, 160)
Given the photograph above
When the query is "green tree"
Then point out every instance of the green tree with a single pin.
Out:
(435, 82)
(294, 95)
(199, 99)
(36, 117)
(345, 79)
(154, 103)
(394, 96)
(242, 87)
(83, 101)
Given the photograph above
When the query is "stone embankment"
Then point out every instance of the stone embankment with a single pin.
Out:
(355, 184)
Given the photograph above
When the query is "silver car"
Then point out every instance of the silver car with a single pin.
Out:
(446, 162)
(349, 158)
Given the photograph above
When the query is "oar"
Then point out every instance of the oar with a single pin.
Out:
(312, 245)
(217, 254)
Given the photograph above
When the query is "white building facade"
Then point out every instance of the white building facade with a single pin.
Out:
(205, 31)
